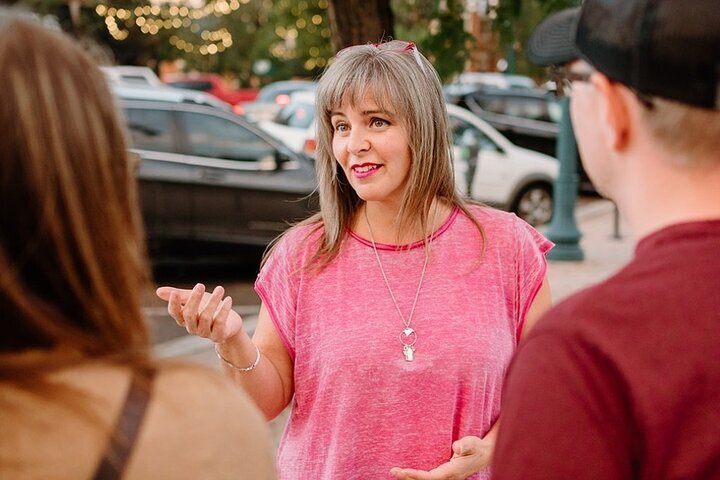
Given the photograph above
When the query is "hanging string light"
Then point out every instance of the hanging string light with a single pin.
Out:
(152, 19)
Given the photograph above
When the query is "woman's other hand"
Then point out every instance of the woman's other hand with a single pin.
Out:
(470, 455)
(208, 315)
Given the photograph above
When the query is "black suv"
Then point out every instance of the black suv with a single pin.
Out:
(528, 118)
(209, 177)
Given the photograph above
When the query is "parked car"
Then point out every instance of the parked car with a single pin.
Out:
(528, 118)
(496, 80)
(504, 175)
(274, 96)
(168, 94)
(131, 75)
(208, 177)
(293, 124)
(215, 85)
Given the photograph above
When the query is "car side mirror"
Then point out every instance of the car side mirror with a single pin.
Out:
(268, 163)
(281, 158)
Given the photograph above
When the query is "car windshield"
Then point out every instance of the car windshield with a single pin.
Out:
(296, 114)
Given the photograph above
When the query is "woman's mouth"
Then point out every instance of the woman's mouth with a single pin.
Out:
(365, 170)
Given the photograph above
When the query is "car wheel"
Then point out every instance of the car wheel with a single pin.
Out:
(534, 204)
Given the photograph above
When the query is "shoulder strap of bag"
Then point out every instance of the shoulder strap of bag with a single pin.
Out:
(127, 428)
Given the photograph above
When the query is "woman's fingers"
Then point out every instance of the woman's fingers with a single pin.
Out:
(208, 310)
(192, 306)
(175, 308)
(164, 293)
(204, 314)
(225, 327)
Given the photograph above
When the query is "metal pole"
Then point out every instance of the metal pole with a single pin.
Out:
(616, 222)
(563, 230)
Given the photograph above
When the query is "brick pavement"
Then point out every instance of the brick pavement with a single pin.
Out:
(606, 249)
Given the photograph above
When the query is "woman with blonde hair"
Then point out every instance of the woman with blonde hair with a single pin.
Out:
(80, 396)
(387, 319)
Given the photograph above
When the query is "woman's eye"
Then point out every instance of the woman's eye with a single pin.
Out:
(379, 122)
(340, 127)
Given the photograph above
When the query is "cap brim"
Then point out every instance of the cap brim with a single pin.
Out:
(552, 42)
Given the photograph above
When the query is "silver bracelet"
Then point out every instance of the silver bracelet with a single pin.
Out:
(235, 367)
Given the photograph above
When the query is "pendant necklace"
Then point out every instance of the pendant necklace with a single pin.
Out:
(408, 336)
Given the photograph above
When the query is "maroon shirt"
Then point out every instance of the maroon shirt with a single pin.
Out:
(622, 380)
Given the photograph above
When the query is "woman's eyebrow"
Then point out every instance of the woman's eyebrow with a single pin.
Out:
(365, 113)
(376, 111)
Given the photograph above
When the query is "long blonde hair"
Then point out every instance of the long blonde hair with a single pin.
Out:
(72, 257)
(402, 81)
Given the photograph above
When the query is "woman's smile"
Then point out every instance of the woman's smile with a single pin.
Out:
(365, 170)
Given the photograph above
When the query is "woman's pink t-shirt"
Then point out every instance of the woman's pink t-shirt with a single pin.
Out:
(359, 407)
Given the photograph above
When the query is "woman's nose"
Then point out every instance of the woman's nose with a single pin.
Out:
(357, 141)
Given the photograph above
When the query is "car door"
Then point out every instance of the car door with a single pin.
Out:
(165, 186)
(248, 188)
(493, 178)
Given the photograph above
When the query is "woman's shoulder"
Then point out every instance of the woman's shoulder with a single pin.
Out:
(198, 385)
(195, 415)
(503, 229)
(492, 219)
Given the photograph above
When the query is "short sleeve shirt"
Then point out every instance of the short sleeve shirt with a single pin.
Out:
(360, 408)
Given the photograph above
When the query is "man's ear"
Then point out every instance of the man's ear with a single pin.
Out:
(615, 110)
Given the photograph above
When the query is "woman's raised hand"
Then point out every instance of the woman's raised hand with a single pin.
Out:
(204, 314)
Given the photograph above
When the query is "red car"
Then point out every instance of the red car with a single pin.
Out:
(215, 85)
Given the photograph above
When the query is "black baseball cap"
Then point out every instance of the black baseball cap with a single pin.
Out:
(664, 48)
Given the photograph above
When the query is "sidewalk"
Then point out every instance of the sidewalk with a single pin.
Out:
(606, 251)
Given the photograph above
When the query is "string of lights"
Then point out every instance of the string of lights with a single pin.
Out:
(151, 19)
(189, 36)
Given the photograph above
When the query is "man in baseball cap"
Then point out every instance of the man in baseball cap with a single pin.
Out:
(622, 380)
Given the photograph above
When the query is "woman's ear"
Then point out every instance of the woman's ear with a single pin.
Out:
(614, 105)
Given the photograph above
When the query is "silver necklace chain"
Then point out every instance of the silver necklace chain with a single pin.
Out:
(408, 336)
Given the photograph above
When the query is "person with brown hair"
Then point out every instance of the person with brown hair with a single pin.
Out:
(80, 395)
(387, 319)
(621, 380)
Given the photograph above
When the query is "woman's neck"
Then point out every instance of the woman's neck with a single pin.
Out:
(382, 224)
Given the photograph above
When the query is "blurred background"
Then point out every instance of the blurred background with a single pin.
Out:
(250, 43)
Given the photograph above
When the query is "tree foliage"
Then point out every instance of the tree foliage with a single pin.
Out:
(515, 20)
(437, 27)
(270, 39)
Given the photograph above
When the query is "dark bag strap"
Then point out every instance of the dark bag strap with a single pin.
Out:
(127, 428)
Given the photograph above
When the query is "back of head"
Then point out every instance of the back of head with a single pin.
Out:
(400, 80)
(667, 51)
(71, 256)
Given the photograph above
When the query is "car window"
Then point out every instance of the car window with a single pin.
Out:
(201, 85)
(216, 137)
(297, 114)
(491, 104)
(463, 130)
(150, 129)
(540, 109)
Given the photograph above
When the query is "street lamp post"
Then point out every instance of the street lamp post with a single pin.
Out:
(563, 230)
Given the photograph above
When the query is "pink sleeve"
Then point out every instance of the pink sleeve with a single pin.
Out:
(277, 287)
(531, 267)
